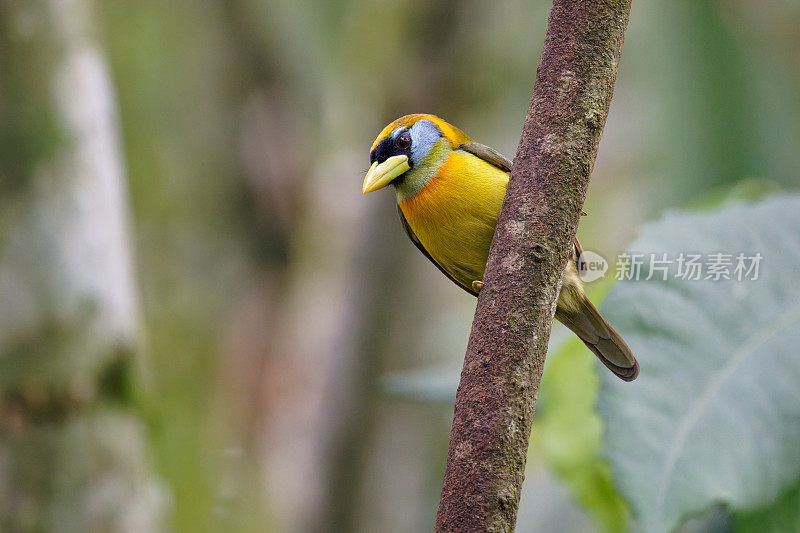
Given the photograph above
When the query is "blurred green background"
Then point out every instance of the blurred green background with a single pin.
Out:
(198, 302)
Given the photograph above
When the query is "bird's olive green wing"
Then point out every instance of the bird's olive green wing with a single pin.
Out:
(490, 155)
(418, 244)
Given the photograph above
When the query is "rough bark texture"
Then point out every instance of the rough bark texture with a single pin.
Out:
(507, 347)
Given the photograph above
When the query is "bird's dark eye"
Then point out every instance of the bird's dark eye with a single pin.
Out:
(403, 142)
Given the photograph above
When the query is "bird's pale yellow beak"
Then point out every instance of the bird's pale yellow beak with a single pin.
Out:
(381, 175)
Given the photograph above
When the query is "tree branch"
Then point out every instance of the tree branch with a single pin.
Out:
(507, 347)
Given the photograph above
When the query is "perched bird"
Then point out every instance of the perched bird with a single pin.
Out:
(449, 193)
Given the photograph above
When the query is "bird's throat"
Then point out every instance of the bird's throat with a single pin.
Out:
(420, 176)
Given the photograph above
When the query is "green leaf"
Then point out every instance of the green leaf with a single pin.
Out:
(783, 515)
(567, 432)
(714, 416)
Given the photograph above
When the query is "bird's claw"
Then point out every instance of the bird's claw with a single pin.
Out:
(477, 286)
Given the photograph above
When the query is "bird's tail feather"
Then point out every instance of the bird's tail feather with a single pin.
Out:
(579, 315)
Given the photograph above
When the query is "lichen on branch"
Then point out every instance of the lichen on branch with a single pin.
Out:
(508, 343)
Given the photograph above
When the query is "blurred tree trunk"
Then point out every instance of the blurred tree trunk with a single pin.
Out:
(72, 451)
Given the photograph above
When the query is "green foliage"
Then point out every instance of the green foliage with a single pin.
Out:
(743, 191)
(29, 134)
(713, 416)
(781, 516)
(567, 432)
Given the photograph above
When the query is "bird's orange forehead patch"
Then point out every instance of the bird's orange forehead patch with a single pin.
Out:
(451, 133)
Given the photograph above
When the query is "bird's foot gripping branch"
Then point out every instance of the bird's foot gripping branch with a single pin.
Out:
(506, 233)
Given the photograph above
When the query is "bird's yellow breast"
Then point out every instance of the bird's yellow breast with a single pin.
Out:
(455, 215)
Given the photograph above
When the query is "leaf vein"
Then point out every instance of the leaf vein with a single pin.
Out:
(689, 421)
